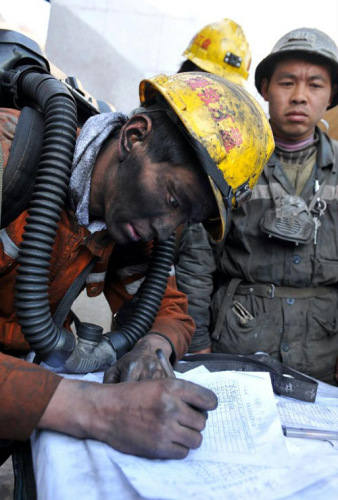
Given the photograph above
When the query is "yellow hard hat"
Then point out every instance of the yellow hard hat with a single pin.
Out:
(221, 48)
(227, 127)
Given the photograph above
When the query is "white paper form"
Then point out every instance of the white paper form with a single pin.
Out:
(245, 428)
(322, 415)
(326, 488)
(68, 468)
(204, 480)
(199, 480)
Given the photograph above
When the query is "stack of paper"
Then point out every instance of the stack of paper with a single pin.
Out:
(244, 454)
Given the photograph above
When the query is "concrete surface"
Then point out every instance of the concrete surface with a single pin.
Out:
(6, 481)
(93, 310)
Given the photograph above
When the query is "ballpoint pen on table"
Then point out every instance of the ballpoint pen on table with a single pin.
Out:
(310, 433)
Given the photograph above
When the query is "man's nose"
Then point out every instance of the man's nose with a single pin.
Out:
(165, 226)
(299, 94)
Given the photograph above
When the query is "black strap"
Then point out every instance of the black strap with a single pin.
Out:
(25, 486)
(285, 381)
(73, 291)
(66, 303)
(7, 447)
(224, 307)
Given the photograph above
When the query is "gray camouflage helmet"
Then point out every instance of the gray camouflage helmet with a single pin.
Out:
(296, 42)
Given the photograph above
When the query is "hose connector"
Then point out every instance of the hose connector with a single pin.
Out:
(93, 351)
(61, 351)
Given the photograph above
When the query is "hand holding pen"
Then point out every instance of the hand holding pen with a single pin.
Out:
(168, 369)
(166, 366)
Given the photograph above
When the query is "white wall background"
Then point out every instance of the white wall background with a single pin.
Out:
(112, 44)
(27, 16)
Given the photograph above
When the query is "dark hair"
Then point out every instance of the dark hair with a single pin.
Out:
(304, 56)
(188, 65)
(166, 142)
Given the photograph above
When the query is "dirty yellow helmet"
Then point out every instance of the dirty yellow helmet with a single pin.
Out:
(227, 127)
(221, 48)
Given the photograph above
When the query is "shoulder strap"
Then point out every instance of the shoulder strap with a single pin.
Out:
(316, 195)
(229, 291)
(276, 189)
(334, 144)
(73, 291)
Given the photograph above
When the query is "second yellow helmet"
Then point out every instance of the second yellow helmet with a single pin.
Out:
(221, 48)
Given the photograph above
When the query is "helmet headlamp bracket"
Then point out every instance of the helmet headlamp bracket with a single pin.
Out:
(233, 60)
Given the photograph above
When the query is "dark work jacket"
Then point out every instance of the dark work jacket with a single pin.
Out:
(301, 332)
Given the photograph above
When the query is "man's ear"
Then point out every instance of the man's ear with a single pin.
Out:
(264, 88)
(333, 93)
(134, 131)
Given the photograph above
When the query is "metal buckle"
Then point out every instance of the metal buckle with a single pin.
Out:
(271, 292)
(242, 194)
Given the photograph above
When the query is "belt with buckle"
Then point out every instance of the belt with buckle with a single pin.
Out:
(269, 291)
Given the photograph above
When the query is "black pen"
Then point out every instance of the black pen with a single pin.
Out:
(165, 364)
(310, 433)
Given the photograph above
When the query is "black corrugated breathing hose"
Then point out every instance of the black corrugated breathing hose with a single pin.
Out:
(150, 296)
(32, 285)
(32, 296)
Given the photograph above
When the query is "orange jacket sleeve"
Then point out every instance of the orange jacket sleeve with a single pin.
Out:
(173, 320)
(25, 391)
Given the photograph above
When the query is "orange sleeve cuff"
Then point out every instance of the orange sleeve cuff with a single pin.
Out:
(25, 391)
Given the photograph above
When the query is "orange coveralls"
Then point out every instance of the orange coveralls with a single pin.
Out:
(25, 388)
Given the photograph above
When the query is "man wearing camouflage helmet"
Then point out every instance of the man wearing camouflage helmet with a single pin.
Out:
(278, 267)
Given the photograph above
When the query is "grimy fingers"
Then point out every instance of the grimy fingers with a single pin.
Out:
(112, 375)
(198, 397)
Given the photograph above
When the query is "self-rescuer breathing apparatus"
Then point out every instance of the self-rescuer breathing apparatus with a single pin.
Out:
(232, 139)
(54, 109)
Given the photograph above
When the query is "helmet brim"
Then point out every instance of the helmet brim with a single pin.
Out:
(216, 226)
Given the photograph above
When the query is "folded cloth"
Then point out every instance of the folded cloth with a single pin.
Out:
(92, 135)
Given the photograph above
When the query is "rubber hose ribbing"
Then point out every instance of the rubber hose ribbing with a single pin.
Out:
(151, 294)
(32, 295)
